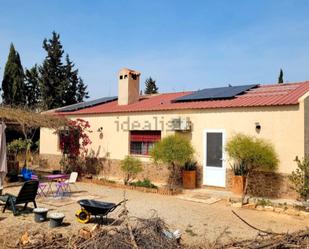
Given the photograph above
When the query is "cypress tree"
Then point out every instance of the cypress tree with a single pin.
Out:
(33, 94)
(280, 78)
(13, 85)
(52, 74)
(150, 86)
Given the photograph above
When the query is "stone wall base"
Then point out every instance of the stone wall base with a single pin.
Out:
(267, 184)
(110, 168)
(261, 184)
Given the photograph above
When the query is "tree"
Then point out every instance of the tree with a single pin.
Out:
(253, 153)
(32, 87)
(174, 150)
(82, 92)
(131, 167)
(59, 82)
(52, 74)
(300, 178)
(76, 89)
(71, 78)
(13, 85)
(150, 86)
(280, 78)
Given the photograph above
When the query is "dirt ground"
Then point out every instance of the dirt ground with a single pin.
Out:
(197, 221)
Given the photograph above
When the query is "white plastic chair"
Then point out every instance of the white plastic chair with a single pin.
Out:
(71, 181)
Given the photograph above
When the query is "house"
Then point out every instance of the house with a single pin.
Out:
(131, 123)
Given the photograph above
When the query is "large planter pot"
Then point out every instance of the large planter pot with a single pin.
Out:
(238, 184)
(189, 179)
(40, 214)
(55, 219)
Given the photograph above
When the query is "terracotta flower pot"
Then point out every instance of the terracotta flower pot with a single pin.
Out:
(189, 179)
(238, 184)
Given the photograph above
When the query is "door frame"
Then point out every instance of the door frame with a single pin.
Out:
(205, 131)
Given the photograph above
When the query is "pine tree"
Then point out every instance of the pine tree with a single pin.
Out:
(59, 82)
(72, 81)
(150, 86)
(13, 85)
(82, 92)
(52, 74)
(280, 78)
(33, 94)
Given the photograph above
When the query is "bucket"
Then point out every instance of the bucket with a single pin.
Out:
(40, 214)
(55, 219)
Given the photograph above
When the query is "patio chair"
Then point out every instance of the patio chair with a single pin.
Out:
(26, 194)
(70, 181)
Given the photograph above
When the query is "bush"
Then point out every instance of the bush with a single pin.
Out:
(175, 150)
(252, 154)
(300, 178)
(73, 164)
(18, 145)
(131, 167)
(146, 183)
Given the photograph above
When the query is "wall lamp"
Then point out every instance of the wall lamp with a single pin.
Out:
(257, 127)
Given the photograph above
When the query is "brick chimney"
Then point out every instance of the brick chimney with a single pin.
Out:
(128, 86)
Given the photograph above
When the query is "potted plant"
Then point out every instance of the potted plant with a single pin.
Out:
(189, 175)
(175, 151)
(239, 178)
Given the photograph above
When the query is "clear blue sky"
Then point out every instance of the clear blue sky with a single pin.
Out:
(184, 45)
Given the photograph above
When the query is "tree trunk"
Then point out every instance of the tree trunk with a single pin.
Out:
(245, 189)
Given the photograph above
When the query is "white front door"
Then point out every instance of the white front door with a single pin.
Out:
(214, 169)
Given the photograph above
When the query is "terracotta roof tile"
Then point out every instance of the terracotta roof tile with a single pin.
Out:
(263, 95)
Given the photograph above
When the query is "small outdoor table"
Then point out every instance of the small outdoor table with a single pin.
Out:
(52, 178)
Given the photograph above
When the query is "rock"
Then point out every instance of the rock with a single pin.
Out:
(279, 210)
(260, 208)
(269, 208)
(24, 238)
(291, 211)
(237, 204)
(250, 206)
(304, 213)
(252, 200)
(84, 233)
(235, 199)
(246, 200)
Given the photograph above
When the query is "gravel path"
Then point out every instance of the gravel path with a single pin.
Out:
(197, 221)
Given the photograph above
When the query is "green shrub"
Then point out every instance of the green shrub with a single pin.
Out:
(131, 167)
(174, 150)
(263, 202)
(252, 154)
(18, 145)
(146, 183)
(300, 178)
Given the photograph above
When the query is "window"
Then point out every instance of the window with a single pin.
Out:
(68, 140)
(141, 142)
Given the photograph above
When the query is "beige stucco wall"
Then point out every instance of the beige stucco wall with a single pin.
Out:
(305, 104)
(284, 126)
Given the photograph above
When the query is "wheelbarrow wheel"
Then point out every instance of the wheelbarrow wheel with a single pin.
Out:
(83, 216)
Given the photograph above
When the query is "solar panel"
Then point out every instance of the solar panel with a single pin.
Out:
(86, 104)
(215, 93)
